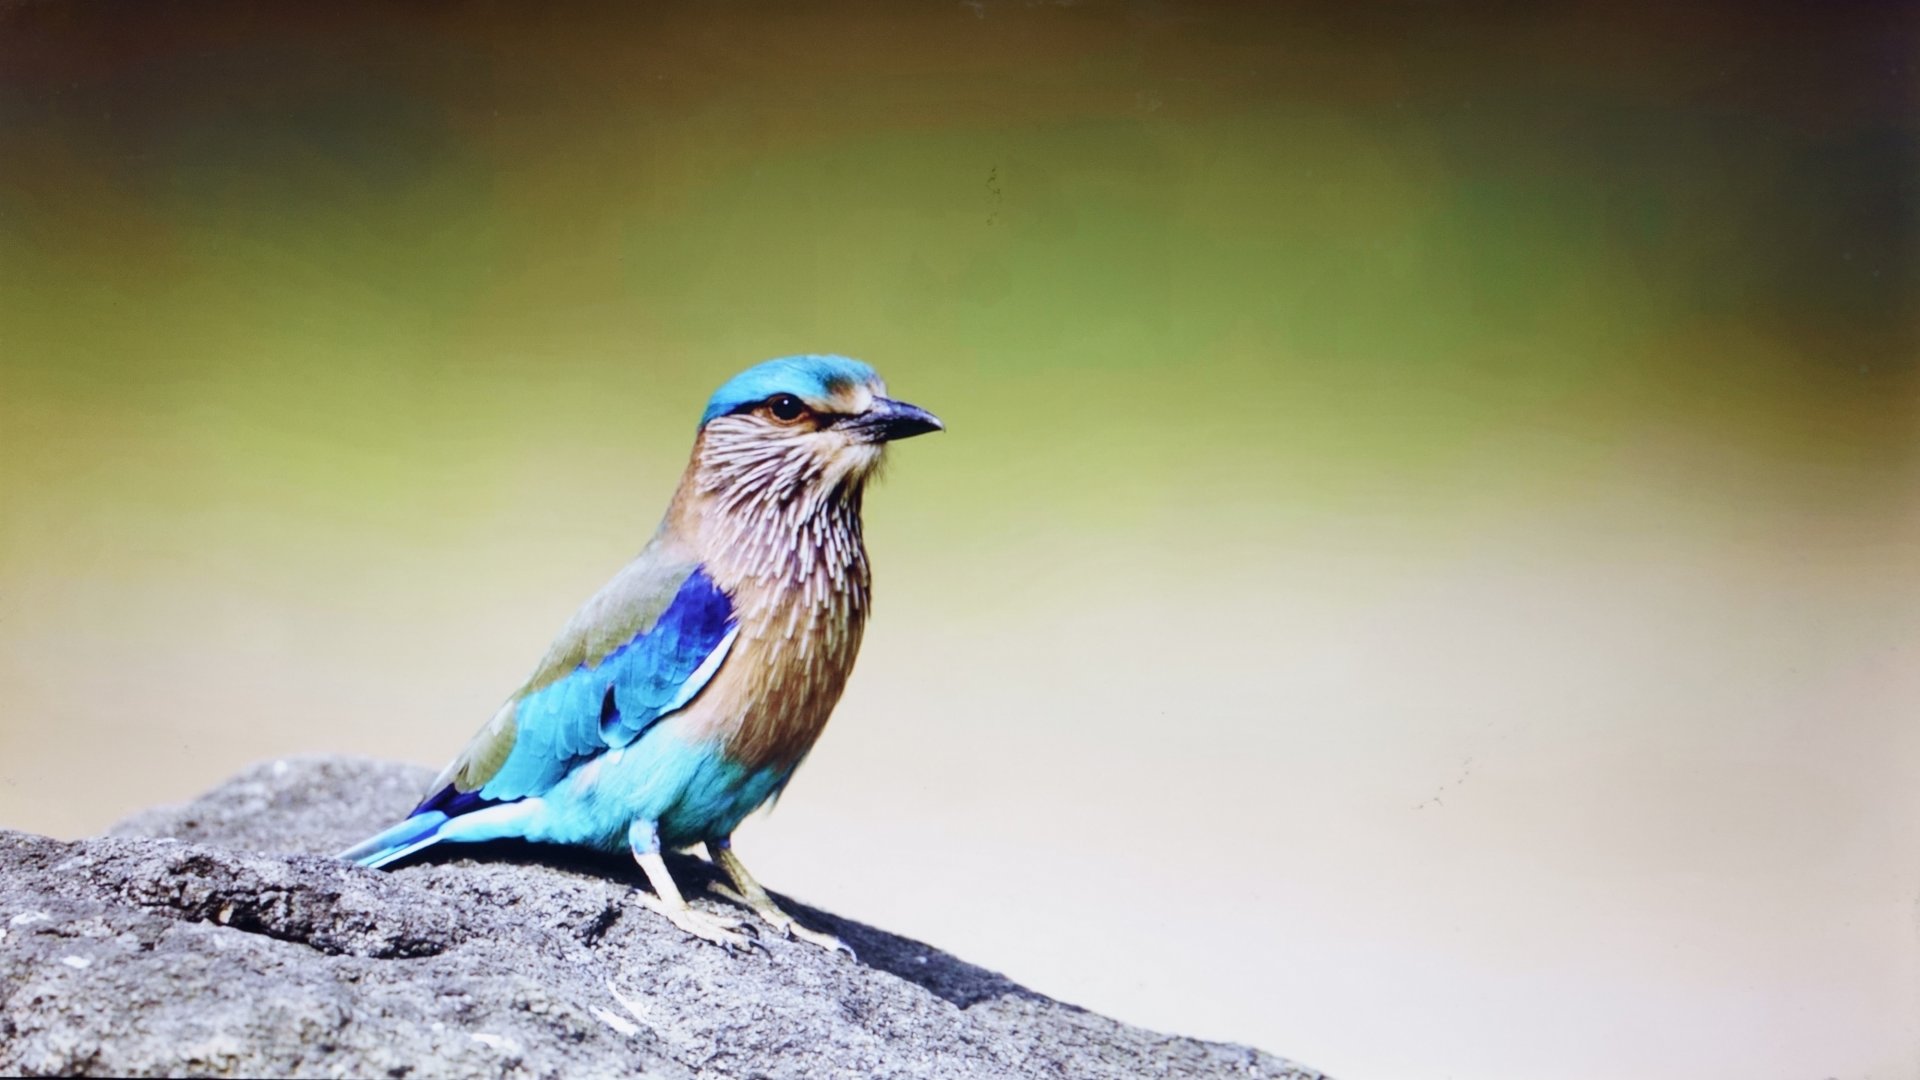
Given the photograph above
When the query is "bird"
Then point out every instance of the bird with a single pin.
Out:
(685, 692)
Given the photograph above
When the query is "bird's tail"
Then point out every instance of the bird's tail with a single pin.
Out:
(402, 840)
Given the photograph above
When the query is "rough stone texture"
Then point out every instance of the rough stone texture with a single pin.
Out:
(190, 943)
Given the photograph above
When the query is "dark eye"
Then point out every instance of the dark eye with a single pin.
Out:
(785, 407)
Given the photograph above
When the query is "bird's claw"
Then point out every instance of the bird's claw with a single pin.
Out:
(829, 942)
(788, 926)
(730, 934)
(748, 942)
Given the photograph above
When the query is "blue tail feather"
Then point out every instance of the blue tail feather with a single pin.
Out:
(397, 842)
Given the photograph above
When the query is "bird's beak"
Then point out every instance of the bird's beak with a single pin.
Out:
(886, 420)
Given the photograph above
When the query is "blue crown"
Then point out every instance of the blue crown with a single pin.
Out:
(810, 378)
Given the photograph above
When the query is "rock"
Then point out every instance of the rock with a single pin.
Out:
(218, 938)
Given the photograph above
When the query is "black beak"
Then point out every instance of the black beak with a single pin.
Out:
(887, 420)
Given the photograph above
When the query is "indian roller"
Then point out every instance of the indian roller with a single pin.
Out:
(685, 692)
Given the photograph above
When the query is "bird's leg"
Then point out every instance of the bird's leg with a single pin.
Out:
(748, 893)
(643, 837)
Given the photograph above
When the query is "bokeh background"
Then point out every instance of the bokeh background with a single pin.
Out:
(1422, 576)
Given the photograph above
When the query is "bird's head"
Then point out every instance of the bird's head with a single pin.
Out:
(802, 422)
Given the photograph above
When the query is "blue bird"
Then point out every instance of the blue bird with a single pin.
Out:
(685, 692)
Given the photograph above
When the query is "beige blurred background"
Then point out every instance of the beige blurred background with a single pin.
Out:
(1422, 576)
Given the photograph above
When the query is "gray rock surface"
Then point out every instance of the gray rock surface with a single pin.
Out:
(191, 942)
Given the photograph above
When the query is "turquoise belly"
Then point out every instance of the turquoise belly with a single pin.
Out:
(690, 790)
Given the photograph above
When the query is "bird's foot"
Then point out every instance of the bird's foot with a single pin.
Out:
(787, 925)
(729, 934)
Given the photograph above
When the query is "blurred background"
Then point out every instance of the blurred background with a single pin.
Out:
(1423, 575)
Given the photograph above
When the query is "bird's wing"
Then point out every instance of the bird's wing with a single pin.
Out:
(642, 647)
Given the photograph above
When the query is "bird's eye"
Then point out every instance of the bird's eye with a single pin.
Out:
(785, 408)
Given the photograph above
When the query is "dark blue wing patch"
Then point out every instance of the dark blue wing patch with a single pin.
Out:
(661, 670)
(600, 706)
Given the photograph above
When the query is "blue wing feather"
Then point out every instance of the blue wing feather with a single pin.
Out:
(598, 706)
(661, 670)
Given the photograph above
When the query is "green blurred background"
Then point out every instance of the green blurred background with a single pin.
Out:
(1422, 575)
